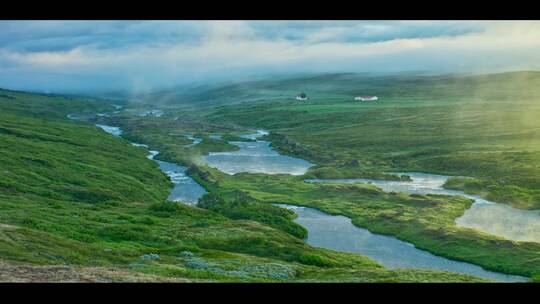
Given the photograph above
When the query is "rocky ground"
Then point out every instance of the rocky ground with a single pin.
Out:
(58, 274)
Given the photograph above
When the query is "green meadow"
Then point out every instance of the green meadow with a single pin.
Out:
(482, 129)
(71, 194)
(75, 196)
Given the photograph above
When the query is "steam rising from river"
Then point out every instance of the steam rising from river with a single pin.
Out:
(510, 223)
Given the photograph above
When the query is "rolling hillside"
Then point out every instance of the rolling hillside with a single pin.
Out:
(77, 204)
(484, 127)
(481, 129)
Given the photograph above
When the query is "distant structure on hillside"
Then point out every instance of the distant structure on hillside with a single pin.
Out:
(302, 96)
(366, 98)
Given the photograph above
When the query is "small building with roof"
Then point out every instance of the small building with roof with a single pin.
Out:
(366, 98)
(302, 96)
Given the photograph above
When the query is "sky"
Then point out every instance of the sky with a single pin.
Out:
(141, 56)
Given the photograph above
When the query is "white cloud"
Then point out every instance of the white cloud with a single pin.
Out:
(226, 48)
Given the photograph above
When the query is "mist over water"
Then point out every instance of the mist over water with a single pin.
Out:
(502, 220)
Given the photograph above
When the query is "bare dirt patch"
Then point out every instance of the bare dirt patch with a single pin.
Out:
(59, 274)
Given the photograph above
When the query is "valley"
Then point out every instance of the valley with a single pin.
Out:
(78, 195)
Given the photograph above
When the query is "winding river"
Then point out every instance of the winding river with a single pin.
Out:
(484, 215)
(338, 233)
(185, 190)
(324, 230)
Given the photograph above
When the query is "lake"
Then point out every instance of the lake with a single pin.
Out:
(256, 157)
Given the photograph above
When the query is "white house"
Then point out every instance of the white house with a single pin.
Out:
(301, 96)
(366, 98)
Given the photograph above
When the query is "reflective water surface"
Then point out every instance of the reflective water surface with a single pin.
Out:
(338, 233)
(185, 189)
(256, 157)
(333, 232)
(111, 130)
(491, 217)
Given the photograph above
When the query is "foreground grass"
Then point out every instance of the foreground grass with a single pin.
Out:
(23, 273)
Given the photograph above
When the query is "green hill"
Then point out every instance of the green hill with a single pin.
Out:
(480, 126)
(74, 196)
(483, 127)
(348, 85)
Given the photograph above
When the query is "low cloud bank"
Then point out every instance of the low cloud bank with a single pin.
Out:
(142, 56)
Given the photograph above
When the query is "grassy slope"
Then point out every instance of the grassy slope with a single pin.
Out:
(482, 126)
(70, 194)
(433, 230)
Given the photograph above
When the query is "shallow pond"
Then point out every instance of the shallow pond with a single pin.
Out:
(256, 157)
(503, 220)
(338, 233)
(487, 216)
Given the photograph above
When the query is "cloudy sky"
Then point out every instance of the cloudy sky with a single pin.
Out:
(139, 56)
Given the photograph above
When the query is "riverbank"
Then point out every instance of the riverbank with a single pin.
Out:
(294, 261)
(228, 211)
(427, 221)
(338, 233)
(258, 152)
(484, 215)
(469, 126)
(427, 232)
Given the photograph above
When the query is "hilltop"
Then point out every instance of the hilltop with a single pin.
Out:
(344, 85)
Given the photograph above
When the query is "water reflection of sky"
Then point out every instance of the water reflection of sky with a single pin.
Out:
(185, 189)
(338, 233)
(494, 218)
(256, 157)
